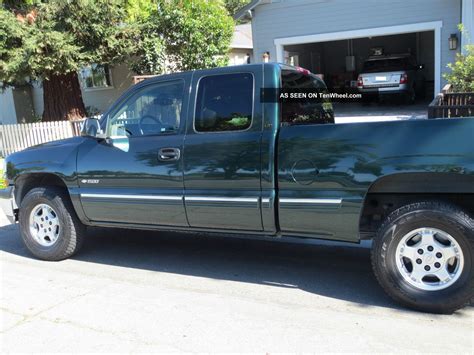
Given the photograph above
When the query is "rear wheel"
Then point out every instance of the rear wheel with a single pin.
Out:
(410, 96)
(49, 226)
(423, 257)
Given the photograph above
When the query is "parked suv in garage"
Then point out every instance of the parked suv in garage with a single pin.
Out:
(392, 75)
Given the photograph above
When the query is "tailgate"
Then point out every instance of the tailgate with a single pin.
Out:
(381, 79)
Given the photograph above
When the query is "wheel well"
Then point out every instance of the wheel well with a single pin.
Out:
(378, 206)
(26, 183)
(392, 192)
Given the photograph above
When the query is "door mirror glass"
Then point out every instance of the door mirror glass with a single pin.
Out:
(91, 128)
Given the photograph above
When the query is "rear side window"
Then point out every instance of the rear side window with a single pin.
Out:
(381, 65)
(224, 103)
(314, 111)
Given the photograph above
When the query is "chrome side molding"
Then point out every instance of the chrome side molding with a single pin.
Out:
(221, 199)
(315, 201)
(135, 197)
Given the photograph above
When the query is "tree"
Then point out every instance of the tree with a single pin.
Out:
(140, 10)
(461, 76)
(197, 33)
(50, 41)
(462, 71)
(233, 6)
(183, 35)
(149, 56)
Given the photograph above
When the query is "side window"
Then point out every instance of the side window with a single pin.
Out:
(224, 103)
(95, 76)
(314, 111)
(155, 109)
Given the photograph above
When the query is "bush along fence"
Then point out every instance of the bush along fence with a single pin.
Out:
(450, 104)
(16, 137)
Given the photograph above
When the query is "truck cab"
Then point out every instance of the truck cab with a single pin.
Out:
(178, 159)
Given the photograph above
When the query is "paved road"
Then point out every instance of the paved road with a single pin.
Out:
(350, 112)
(144, 292)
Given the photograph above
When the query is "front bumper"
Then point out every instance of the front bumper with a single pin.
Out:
(7, 203)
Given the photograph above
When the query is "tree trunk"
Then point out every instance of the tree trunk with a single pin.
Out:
(62, 98)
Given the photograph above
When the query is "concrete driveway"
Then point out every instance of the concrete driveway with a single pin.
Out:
(351, 112)
(162, 292)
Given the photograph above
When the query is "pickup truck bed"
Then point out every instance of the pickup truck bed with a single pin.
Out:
(339, 166)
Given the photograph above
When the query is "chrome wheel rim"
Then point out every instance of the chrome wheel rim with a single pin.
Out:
(429, 259)
(44, 225)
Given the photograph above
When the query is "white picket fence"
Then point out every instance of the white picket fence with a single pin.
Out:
(15, 137)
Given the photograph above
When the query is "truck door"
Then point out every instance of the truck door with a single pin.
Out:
(317, 196)
(222, 150)
(136, 175)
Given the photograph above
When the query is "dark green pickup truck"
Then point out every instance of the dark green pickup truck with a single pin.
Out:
(204, 151)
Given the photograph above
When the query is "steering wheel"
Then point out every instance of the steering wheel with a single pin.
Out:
(154, 119)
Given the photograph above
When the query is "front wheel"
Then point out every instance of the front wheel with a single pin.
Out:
(423, 257)
(49, 226)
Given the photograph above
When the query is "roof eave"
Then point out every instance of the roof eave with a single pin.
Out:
(241, 47)
(243, 12)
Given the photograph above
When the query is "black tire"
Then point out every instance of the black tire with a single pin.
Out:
(410, 97)
(437, 215)
(71, 233)
(366, 100)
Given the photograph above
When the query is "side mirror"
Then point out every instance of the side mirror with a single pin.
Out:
(91, 128)
(421, 66)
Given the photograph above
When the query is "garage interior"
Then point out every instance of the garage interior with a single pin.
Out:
(340, 62)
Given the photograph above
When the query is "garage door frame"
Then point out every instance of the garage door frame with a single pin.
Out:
(371, 32)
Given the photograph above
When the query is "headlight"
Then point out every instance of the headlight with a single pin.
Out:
(3, 175)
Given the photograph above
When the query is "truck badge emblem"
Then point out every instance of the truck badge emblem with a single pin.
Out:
(90, 181)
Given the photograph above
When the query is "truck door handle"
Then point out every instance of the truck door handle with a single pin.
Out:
(169, 154)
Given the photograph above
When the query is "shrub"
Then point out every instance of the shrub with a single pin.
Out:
(461, 76)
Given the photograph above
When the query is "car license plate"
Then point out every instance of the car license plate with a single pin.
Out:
(381, 78)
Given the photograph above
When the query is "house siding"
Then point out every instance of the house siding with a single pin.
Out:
(238, 56)
(288, 18)
(7, 107)
(23, 104)
(99, 99)
(468, 22)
